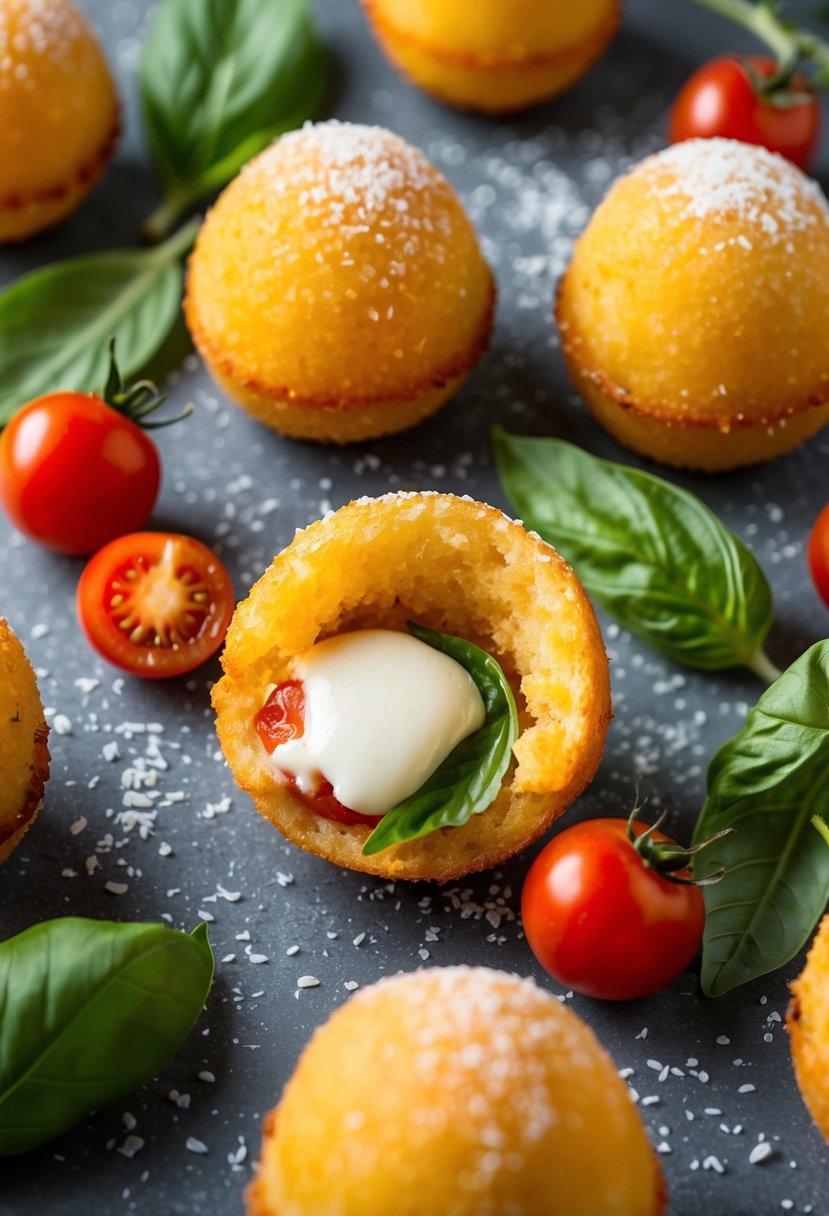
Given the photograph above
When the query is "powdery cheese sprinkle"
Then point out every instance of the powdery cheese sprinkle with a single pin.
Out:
(358, 177)
(42, 28)
(722, 177)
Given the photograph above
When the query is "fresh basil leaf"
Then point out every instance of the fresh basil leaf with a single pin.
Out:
(468, 780)
(653, 555)
(88, 1011)
(56, 324)
(767, 783)
(220, 79)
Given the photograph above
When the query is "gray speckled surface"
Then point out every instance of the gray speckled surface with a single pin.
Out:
(530, 185)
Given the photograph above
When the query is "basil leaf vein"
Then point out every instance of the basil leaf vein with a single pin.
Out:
(219, 80)
(88, 1011)
(56, 323)
(652, 554)
(766, 783)
(468, 780)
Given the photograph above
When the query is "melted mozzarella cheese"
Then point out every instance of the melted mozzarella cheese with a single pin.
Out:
(382, 711)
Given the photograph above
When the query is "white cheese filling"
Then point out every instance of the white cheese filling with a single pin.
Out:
(382, 711)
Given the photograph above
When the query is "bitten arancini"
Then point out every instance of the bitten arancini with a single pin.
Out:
(455, 1091)
(493, 56)
(58, 114)
(24, 755)
(451, 565)
(693, 313)
(808, 1023)
(337, 290)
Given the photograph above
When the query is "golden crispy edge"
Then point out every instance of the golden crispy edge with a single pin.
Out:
(84, 176)
(213, 355)
(592, 45)
(661, 413)
(12, 833)
(794, 1025)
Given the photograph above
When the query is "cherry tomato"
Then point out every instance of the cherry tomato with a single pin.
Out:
(155, 604)
(721, 99)
(281, 718)
(74, 472)
(601, 920)
(819, 554)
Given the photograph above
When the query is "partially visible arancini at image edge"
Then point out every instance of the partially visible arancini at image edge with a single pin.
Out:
(24, 754)
(808, 1024)
(491, 56)
(693, 312)
(460, 567)
(337, 291)
(59, 117)
(455, 1091)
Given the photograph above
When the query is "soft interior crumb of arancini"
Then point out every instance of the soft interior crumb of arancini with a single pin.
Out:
(453, 565)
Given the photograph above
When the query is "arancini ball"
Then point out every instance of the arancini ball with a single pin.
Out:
(452, 565)
(808, 1023)
(692, 315)
(58, 114)
(337, 290)
(493, 56)
(455, 1091)
(24, 754)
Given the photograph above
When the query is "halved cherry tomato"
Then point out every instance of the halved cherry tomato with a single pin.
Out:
(819, 554)
(282, 718)
(721, 99)
(74, 472)
(156, 604)
(603, 921)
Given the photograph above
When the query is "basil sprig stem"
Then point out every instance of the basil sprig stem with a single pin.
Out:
(650, 553)
(220, 79)
(468, 780)
(769, 782)
(785, 39)
(88, 1011)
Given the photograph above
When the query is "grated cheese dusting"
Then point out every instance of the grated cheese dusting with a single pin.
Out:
(37, 29)
(717, 178)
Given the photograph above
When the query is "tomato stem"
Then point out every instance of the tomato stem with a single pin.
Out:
(138, 400)
(785, 39)
(667, 858)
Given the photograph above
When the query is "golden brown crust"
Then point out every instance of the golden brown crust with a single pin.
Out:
(455, 566)
(590, 47)
(24, 752)
(453, 373)
(726, 421)
(81, 179)
(807, 1020)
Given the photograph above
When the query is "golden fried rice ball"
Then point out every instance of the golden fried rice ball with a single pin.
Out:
(808, 1023)
(459, 1091)
(491, 55)
(693, 314)
(24, 755)
(459, 567)
(337, 290)
(58, 114)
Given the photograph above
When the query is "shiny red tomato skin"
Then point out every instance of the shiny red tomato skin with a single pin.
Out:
(74, 473)
(719, 100)
(170, 585)
(819, 554)
(600, 921)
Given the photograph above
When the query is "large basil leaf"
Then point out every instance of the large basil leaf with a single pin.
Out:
(652, 554)
(219, 80)
(767, 782)
(89, 1010)
(470, 777)
(56, 324)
